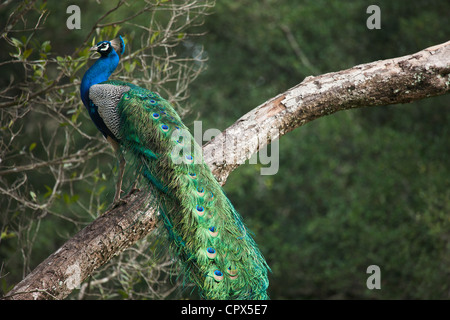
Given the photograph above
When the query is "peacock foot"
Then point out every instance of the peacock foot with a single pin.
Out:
(119, 202)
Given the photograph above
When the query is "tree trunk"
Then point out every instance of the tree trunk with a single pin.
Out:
(399, 80)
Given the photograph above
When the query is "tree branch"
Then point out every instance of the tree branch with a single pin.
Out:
(392, 81)
(385, 82)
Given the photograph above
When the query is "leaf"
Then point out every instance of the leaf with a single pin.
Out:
(49, 191)
(70, 199)
(27, 53)
(7, 235)
(100, 190)
(66, 198)
(38, 71)
(16, 214)
(15, 55)
(129, 67)
(123, 294)
(101, 207)
(74, 117)
(17, 43)
(33, 195)
(116, 30)
(154, 36)
(5, 286)
(42, 6)
(46, 47)
(32, 146)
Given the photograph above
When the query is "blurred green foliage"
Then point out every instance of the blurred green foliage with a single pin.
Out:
(357, 188)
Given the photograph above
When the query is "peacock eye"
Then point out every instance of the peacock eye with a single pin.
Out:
(104, 47)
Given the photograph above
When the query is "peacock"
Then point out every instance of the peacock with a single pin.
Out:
(205, 231)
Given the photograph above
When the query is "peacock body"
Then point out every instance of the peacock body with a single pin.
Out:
(206, 232)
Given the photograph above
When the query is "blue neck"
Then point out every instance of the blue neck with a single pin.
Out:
(98, 72)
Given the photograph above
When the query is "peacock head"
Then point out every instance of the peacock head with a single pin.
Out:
(106, 47)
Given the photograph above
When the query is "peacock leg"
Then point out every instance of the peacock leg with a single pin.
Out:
(119, 154)
(120, 177)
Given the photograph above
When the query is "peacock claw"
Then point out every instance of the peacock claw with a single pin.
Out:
(133, 190)
(117, 203)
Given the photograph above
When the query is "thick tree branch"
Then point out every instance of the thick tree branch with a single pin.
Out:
(385, 82)
(399, 80)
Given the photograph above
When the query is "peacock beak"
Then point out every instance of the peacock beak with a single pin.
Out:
(94, 48)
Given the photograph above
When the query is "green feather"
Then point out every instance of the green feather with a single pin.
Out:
(207, 233)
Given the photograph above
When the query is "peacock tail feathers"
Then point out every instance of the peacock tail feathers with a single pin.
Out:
(216, 250)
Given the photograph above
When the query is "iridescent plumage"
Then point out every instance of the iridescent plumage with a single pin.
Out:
(206, 232)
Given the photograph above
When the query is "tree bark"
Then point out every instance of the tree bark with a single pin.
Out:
(385, 82)
(392, 81)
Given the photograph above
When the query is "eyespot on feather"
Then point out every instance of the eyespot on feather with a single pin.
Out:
(211, 252)
(200, 210)
(189, 159)
(155, 115)
(213, 231)
(192, 175)
(164, 127)
(232, 271)
(200, 191)
(218, 275)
